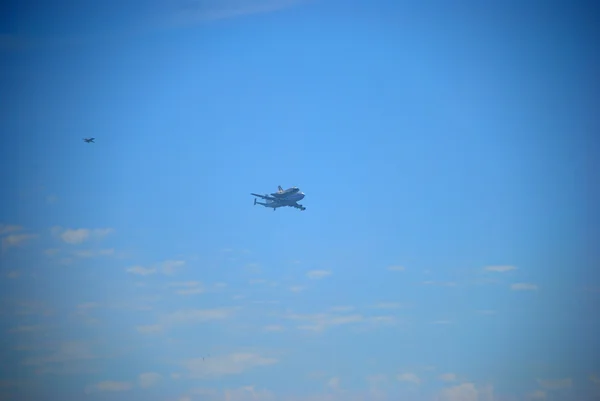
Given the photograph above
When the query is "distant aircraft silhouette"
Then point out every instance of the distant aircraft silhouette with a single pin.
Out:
(289, 197)
(89, 140)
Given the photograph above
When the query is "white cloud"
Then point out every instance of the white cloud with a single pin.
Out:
(440, 283)
(109, 386)
(93, 253)
(538, 395)
(274, 327)
(141, 271)
(68, 351)
(27, 329)
(555, 384)
(253, 268)
(202, 11)
(155, 328)
(388, 305)
(523, 287)
(188, 287)
(78, 235)
(201, 315)
(232, 364)
(168, 267)
(320, 322)
(376, 379)
(500, 269)
(318, 274)
(462, 392)
(171, 266)
(383, 319)
(14, 240)
(13, 274)
(297, 288)
(149, 379)
(334, 383)
(51, 252)
(342, 308)
(32, 308)
(441, 322)
(396, 268)
(9, 228)
(409, 377)
(448, 377)
(248, 393)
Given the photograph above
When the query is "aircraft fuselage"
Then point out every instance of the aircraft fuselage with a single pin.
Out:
(282, 198)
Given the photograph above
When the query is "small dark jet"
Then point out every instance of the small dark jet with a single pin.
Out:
(288, 197)
(89, 140)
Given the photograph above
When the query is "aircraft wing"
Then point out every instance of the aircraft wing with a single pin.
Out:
(264, 196)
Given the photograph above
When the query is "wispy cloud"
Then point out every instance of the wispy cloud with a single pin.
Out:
(94, 253)
(342, 308)
(168, 267)
(409, 377)
(464, 391)
(334, 383)
(201, 315)
(389, 305)
(499, 269)
(537, 395)
(75, 236)
(13, 274)
(448, 377)
(172, 266)
(318, 274)
(155, 328)
(27, 329)
(321, 321)
(9, 228)
(442, 322)
(188, 287)
(523, 287)
(66, 352)
(141, 271)
(195, 11)
(274, 327)
(147, 380)
(440, 283)
(555, 384)
(14, 240)
(32, 308)
(111, 386)
(224, 365)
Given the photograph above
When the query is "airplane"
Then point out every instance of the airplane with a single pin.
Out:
(288, 197)
(88, 140)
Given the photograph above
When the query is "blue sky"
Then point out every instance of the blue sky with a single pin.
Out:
(448, 251)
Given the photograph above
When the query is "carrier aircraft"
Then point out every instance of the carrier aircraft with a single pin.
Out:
(288, 197)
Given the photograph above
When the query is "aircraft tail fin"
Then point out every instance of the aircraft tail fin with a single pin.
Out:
(279, 188)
